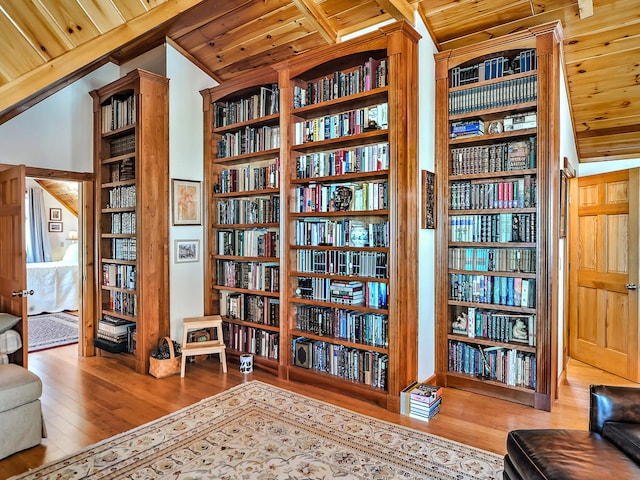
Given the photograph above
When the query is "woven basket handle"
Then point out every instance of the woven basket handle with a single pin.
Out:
(172, 354)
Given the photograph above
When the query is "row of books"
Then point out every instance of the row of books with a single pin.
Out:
(473, 195)
(494, 95)
(248, 275)
(120, 276)
(265, 102)
(497, 67)
(123, 223)
(116, 330)
(373, 294)
(248, 140)
(363, 196)
(252, 340)
(343, 262)
(122, 146)
(496, 157)
(122, 170)
(337, 233)
(370, 158)
(420, 400)
(502, 227)
(123, 248)
(509, 291)
(118, 113)
(122, 197)
(349, 363)
(250, 308)
(249, 243)
(255, 210)
(248, 178)
(350, 325)
(352, 122)
(499, 326)
(370, 75)
(493, 259)
(123, 302)
(509, 366)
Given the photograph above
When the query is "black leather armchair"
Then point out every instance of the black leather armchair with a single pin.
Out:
(610, 449)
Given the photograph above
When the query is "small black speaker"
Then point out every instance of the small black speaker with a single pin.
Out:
(303, 355)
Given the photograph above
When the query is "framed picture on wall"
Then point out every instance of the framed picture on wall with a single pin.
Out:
(55, 214)
(55, 226)
(186, 202)
(428, 199)
(187, 251)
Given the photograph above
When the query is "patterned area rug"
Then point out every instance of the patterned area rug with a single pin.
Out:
(257, 431)
(52, 330)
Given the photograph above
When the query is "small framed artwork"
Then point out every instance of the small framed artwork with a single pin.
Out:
(564, 203)
(428, 199)
(186, 202)
(187, 251)
(55, 214)
(55, 226)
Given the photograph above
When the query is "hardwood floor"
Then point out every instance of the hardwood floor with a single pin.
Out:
(86, 400)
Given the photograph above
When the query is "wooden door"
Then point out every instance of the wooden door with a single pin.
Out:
(13, 270)
(604, 269)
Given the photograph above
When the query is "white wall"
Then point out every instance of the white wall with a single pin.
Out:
(595, 168)
(186, 140)
(426, 240)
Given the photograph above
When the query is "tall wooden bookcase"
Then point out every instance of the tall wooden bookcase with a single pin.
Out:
(131, 149)
(347, 164)
(497, 151)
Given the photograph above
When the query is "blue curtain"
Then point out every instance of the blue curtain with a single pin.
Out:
(38, 244)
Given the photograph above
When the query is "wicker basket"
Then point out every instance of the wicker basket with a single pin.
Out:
(166, 367)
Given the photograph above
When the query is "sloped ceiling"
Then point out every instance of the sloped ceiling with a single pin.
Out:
(49, 43)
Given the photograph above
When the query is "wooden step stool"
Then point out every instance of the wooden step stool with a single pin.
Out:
(216, 345)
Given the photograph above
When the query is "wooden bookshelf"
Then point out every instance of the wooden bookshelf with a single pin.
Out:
(386, 164)
(131, 150)
(497, 151)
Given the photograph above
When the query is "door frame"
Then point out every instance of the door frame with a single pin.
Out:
(86, 248)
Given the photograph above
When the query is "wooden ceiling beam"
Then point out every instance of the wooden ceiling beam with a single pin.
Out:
(40, 78)
(318, 19)
(399, 9)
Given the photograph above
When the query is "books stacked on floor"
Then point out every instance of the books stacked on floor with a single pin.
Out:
(114, 334)
(421, 401)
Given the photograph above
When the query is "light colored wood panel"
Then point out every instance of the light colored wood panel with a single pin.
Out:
(473, 16)
(617, 192)
(72, 19)
(619, 91)
(51, 72)
(617, 324)
(588, 302)
(46, 36)
(104, 15)
(588, 235)
(616, 18)
(618, 244)
(587, 46)
(130, 9)
(18, 55)
(317, 19)
(613, 126)
(588, 196)
(610, 147)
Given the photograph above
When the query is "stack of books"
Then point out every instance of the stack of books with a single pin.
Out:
(421, 401)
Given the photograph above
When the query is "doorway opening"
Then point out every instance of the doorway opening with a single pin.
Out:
(53, 263)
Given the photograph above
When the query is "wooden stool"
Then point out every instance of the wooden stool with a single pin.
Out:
(201, 348)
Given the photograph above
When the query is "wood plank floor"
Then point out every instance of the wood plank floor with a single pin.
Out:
(86, 400)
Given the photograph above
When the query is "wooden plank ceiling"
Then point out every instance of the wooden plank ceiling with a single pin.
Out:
(50, 43)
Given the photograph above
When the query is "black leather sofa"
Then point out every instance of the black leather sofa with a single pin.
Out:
(610, 449)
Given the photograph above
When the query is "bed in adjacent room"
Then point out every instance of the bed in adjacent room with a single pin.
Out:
(54, 284)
